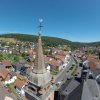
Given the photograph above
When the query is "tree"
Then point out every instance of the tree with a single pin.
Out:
(1, 56)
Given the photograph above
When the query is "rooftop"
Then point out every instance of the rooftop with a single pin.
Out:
(7, 63)
(90, 90)
(4, 72)
(19, 83)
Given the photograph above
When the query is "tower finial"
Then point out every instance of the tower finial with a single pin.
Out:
(40, 23)
(40, 27)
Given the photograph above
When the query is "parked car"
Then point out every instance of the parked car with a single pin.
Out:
(70, 68)
(58, 83)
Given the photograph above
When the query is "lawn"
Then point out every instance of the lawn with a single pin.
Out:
(11, 87)
(73, 71)
(53, 73)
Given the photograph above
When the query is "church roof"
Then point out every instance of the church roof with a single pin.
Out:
(90, 90)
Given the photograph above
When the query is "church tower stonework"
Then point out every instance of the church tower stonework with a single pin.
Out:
(39, 86)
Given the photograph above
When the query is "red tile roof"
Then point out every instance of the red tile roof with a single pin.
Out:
(4, 73)
(97, 62)
(62, 58)
(7, 63)
(80, 54)
(92, 57)
(55, 63)
(94, 64)
(47, 59)
(19, 83)
(60, 52)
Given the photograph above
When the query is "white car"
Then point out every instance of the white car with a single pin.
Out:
(58, 83)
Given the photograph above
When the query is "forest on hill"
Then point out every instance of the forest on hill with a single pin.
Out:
(48, 41)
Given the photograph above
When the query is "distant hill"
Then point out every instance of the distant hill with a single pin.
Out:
(33, 38)
(8, 39)
(48, 41)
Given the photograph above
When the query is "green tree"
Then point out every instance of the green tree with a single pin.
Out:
(1, 57)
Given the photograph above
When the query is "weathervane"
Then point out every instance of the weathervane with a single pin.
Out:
(40, 23)
(40, 26)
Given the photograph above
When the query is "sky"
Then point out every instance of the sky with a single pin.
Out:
(75, 20)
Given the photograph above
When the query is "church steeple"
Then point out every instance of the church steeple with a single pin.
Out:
(39, 74)
(39, 86)
(39, 66)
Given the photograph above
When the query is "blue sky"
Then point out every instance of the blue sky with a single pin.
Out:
(76, 20)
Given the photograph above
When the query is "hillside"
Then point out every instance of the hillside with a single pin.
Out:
(48, 41)
(33, 38)
(8, 39)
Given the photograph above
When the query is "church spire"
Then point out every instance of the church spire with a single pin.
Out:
(39, 86)
(39, 66)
